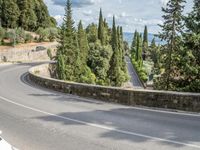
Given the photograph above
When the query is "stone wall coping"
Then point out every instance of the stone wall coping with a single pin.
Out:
(39, 67)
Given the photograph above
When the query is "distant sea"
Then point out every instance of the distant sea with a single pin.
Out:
(129, 37)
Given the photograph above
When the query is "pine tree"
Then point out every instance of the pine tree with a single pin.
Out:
(190, 56)
(101, 33)
(10, 13)
(171, 30)
(193, 19)
(68, 49)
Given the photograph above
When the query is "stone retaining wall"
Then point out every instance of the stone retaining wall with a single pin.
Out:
(150, 98)
(26, 54)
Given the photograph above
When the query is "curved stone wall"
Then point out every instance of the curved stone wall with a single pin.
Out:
(150, 98)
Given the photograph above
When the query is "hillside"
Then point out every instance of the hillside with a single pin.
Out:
(128, 36)
(27, 14)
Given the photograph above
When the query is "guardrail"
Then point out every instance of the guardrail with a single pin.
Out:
(150, 98)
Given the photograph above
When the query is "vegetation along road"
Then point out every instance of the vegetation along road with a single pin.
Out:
(33, 118)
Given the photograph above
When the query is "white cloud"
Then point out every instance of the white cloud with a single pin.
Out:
(164, 2)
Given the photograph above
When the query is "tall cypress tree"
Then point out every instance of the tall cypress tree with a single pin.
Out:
(171, 30)
(134, 44)
(68, 48)
(145, 40)
(83, 43)
(101, 33)
(145, 35)
(116, 74)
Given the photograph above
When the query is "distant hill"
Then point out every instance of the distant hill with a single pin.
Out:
(128, 36)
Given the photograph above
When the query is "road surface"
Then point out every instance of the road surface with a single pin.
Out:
(134, 79)
(34, 118)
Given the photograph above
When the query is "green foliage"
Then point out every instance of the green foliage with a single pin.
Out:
(87, 56)
(116, 73)
(92, 34)
(27, 14)
(83, 44)
(140, 71)
(87, 76)
(101, 34)
(10, 13)
(11, 35)
(98, 60)
(47, 34)
(52, 34)
(68, 59)
(171, 52)
(28, 38)
(2, 35)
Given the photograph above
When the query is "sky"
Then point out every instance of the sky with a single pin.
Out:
(131, 14)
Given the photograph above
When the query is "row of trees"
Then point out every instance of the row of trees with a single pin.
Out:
(27, 14)
(139, 50)
(92, 55)
(180, 56)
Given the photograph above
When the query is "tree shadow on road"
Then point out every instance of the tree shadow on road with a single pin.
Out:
(135, 126)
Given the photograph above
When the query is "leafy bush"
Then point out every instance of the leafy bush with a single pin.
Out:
(20, 35)
(11, 36)
(43, 34)
(141, 71)
(47, 34)
(87, 76)
(28, 38)
(53, 33)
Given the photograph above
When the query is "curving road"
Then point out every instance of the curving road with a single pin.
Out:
(33, 118)
(134, 79)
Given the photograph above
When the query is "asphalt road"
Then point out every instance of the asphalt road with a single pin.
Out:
(33, 118)
(134, 79)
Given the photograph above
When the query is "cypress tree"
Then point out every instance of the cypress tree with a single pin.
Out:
(145, 40)
(116, 74)
(101, 29)
(83, 43)
(145, 36)
(171, 30)
(68, 48)
(134, 44)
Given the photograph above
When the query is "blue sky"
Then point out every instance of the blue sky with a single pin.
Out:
(131, 14)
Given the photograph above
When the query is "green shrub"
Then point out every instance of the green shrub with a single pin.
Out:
(28, 38)
(11, 36)
(53, 33)
(43, 34)
(20, 35)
